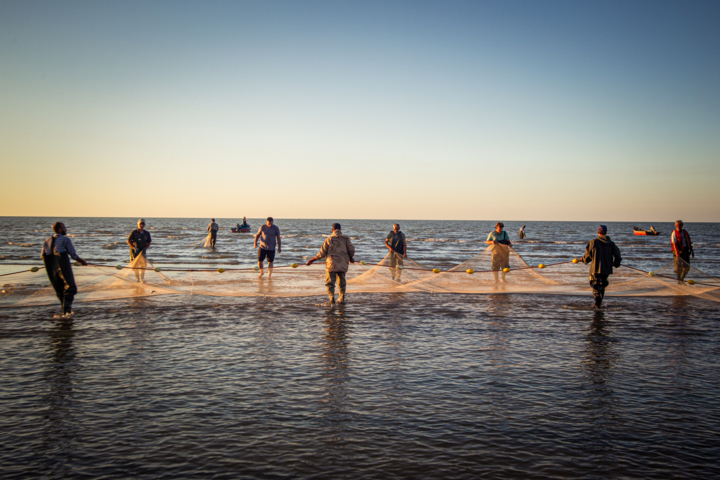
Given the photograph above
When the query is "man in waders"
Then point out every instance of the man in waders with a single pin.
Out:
(603, 255)
(213, 229)
(339, 251)
(139, 241)
(682, 251)
(396, 243)
(56, 253)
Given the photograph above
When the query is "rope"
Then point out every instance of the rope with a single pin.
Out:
(23, 271)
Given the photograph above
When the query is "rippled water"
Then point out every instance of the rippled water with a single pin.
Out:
(179, 241)
(390, 385)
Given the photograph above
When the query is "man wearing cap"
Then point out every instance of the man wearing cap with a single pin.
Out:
(339, 251)
(268, 234)
(500, 253)
(56, 253)
(603, 255)
(682, 251)
(213, 229)
(139, 241)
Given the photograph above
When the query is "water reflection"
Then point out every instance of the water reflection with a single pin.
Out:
(59, 433)
(598, 366)
(334, 346)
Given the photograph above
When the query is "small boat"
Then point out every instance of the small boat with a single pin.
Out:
(242, 230)
(639, 231)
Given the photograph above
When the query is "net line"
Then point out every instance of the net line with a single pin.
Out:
(488, 272)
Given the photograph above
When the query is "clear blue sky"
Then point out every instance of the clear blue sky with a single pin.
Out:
(508, 110)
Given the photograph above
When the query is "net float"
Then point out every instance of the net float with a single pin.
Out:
(256, 268)
(436, 270)
(294, 265)
(119, 267)
(575, 260)
(220, 270)
(542, 265)
(157, 269)
(506, 269)
(470, 271)
(34, 269)
(691, 282)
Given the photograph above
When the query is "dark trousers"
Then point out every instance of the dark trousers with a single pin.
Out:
(598, 282)
(682, 264)
(213, 238)
(61, 277)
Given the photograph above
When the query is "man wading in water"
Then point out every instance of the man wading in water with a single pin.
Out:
(396, 243)
(268, 234)
(56, 253)
(682, 250)
(603, 255)
(500, 254)
(139, 241)
(213, 229)
(339, 250)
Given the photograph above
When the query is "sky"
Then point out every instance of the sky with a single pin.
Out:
(472, 110)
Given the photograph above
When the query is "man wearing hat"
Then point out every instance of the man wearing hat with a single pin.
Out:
(500, 254)
(603, 255)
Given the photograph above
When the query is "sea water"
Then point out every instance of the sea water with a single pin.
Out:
(389, 385)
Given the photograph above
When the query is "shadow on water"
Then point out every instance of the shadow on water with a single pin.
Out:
(59, 433)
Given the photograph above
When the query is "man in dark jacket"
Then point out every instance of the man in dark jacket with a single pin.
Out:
(603, 255)
(56, 254)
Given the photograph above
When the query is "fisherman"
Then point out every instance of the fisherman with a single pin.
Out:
(56, 253)
(237, 227)
(682, 251)
(603, 255)
(339, 250)
(652, 230)
(139, 241)
(244, 224)
(268, 235)
(213, 229)
(500, 254)
(396, 243)
(522, 232)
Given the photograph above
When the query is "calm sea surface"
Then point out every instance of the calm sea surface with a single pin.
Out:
(390, 385)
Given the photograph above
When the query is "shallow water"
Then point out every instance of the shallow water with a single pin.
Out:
(408, 385)
(390, 385)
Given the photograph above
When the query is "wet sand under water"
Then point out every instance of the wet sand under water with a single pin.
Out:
(390, 385)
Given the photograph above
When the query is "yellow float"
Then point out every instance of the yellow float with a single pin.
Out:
(691, 282)
(436, 270)
(470, 271)
(542, 265)
(220, 270)
(34, 269)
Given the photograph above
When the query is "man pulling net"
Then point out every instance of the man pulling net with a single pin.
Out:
(56, 253)
(602, 254)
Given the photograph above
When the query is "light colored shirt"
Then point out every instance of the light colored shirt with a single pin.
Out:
(268, 236)
(62, 245)
(497, 237)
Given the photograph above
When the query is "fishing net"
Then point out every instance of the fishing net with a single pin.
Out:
(497, 269)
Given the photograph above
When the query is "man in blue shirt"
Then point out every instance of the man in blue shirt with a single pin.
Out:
(56, 253)
(500, 254)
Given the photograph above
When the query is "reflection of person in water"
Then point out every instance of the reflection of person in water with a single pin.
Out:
(58, 435)
(336, 356)
(599, 362)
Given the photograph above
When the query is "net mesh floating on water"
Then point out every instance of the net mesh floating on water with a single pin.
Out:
(390, 275)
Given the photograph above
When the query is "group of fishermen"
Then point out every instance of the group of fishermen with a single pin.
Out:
(601, 253)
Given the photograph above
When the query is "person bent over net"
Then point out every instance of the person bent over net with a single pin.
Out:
(339, 252)
(602, 254)
(56, 253)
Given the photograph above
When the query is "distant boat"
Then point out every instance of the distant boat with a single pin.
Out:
(242, 230)
(639, 231)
